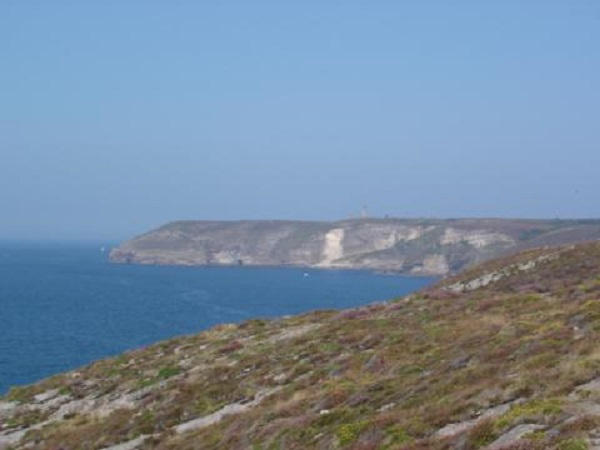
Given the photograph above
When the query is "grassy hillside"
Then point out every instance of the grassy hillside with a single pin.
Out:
(506, 356)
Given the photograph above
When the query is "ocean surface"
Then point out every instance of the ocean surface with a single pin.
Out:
(64, 305)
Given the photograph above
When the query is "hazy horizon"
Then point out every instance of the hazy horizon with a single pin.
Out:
(119, 117)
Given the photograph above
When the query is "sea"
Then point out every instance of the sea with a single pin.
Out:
(63, 305)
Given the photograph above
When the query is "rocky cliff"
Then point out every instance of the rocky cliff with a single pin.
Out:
(429, 247)
(503, 356)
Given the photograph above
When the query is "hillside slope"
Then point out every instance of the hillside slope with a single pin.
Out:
(505, 356)
(413, 246)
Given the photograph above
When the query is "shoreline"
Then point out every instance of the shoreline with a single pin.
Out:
(387, 272)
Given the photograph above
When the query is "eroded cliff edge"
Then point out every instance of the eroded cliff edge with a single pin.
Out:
(411, 246)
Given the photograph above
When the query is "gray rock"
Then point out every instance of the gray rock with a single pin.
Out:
(217, 416)
(129, 445)
(45, 396)
(6, 407)
(454, 429)
(513, 435)
(460, 362)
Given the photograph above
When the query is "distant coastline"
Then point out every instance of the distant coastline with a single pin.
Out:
(415, 247)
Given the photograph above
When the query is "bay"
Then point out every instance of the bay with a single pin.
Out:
(64, 305)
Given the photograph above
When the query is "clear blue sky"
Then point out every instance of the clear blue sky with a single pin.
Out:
(118, 116)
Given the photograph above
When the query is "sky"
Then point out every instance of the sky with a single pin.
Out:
(119, 116)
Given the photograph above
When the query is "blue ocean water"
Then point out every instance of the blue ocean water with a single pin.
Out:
(64, 305)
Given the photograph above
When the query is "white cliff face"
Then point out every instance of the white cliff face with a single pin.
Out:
(332, 249)
(225, 257)
(477, 239)
(366, 238)
(342, 245)
(433, 265)
(387, 238)
(411, 233)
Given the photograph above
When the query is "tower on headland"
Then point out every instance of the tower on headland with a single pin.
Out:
(364, 214)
